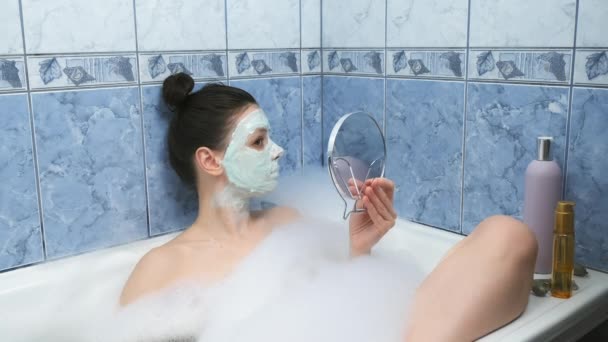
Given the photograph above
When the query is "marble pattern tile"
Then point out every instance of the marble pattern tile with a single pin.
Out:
(90, 158)
(11, 40)
(280, 98)
(264, 63)
(424, 127)
(263, 24)
(77, 71)
(591, 67)
(522, 23)
(592, 24)
(586, 180)
(368, 62)
(312, 119)
(172, 204)
(20, 233)
(422, 64)
(343, 95)
(62, 26)
(436, 23)
(502, 124)
(311, 23)
(12, 74)
(156, 67)
(548, 66)
(180, 25)
(353, 24)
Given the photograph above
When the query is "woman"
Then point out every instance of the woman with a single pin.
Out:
(219, 142)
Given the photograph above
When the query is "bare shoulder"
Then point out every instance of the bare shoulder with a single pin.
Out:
(282, 215)
(152, 273)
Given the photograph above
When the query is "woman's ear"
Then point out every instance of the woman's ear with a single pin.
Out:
(208, 161)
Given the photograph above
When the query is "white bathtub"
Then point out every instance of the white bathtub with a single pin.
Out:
(33, 300)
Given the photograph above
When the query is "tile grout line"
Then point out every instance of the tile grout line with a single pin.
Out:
(385, 74)
(570, 105)
(226, 37)
(301, 98)
(142, 123)
(464, 118)
(33, 139)
(322, 83)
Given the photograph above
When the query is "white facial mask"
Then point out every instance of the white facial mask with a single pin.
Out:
(252, 172)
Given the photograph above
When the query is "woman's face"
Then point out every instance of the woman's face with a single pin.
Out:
(251, 160)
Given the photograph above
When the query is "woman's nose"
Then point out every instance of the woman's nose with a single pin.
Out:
(276, 152)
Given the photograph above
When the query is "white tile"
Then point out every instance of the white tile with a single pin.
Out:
(311, 23)
(78, 26)
(592, 28)
(263, 24)
(591, 67)
(11, 40)
(522, 23)
(356, 23)
(431, 23)
(180, 25)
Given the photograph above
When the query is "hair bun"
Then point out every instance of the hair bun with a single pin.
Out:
(176, 88)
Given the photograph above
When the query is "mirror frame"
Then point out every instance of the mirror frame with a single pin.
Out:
(330, 150)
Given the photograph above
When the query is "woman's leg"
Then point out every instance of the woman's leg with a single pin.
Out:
(482, 284)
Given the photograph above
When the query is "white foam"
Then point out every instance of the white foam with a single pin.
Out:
(298, 285)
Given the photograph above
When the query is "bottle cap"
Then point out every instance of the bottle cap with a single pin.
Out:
(543, 145)
(564, 218)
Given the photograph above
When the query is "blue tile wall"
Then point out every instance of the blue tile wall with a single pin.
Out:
(586, 179)
(458, 150)
(172, 204)
(312, 129)
(90, 159)
(424, 127)
(343, 95)
(502, 124)
(280, 98)
(445, 77)
(94, 172)
(20, 231)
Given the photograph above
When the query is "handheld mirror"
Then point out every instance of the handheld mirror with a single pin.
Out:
(356, 151)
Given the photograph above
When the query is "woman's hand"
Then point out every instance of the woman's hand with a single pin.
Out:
(368, 227)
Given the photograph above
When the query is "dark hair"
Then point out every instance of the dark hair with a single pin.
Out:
(203, 119)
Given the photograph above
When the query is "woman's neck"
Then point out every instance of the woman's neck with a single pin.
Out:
(223, 213)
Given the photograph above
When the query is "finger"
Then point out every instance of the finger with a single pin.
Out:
(354, 192)
(353, 181)
(385, 184)
(388, 203)
(378, 205)
(373, 213)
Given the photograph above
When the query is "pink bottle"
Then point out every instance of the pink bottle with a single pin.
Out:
(542, 191)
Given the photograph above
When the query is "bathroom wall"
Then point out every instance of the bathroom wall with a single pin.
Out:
(82, 126)
(463, 88)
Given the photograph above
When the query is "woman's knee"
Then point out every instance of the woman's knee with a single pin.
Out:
(510, 237)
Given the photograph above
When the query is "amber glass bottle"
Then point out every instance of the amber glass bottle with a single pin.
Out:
(563, 250)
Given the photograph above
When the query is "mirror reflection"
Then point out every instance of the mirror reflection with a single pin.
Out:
(356, 152)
